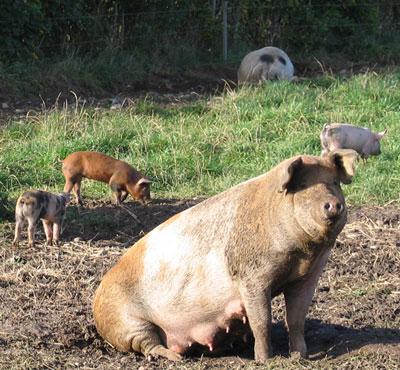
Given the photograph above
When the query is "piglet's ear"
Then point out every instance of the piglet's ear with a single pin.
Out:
(381, 134)
(344, 160)
(287, 173)
(144, 181)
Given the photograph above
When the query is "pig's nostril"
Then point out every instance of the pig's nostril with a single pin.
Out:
(333, 209)
(327, 206)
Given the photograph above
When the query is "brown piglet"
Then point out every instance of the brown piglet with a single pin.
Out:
(122, 178)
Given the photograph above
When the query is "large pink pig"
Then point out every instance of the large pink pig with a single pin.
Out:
(343, 135)
(216, 266)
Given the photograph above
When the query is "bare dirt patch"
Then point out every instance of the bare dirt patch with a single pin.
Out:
(45, 302)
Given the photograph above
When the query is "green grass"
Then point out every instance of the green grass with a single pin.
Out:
(204, 147)
(24, 79)
(103, 75)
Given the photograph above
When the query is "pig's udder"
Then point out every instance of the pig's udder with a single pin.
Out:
(208, 329)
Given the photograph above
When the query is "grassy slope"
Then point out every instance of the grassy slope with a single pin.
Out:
(205, 147)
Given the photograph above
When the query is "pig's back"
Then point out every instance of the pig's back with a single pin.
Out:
(347, 136)
(94, 165)
(98, 166)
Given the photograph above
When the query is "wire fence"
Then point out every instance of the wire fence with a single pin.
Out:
(197, 35)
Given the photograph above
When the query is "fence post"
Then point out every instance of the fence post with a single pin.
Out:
(225, 30)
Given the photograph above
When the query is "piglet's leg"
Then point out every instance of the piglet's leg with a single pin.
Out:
(298, 298)
(56, 232)
(257, 303)
(18, 229)
(124, 195)
(69, 184)
(148, 342)
(47, 226)
(117, 197)
(117, 191)
(77, 190)
(31, 232)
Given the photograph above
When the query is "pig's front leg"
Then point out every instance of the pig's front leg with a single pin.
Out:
(47, 226)
(117, 191)
(31, 231)
(57, 226)
(257, 303)
(124, 194)
(298, 297)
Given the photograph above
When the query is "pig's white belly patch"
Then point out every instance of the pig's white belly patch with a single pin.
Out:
(187, 289)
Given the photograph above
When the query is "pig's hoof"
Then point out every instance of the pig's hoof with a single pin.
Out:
(297, 355)
(163, 352)
(262, 353)
(262, 359)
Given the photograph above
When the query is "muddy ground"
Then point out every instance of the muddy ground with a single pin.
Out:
(45, 302)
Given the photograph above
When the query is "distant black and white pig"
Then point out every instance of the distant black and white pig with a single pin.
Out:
(216, 266)
(269, 63)
(38, 204)
(345, 136)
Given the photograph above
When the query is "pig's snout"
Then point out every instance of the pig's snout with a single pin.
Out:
(333, 208)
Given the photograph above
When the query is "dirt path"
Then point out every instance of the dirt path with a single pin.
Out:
(45, 303)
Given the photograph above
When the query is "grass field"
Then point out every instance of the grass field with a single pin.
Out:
(203, 147)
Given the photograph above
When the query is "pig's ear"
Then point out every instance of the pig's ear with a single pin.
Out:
(287, 173)
(144, 181)
(381, 134)
(344, 160)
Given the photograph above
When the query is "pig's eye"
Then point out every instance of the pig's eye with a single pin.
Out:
(336, 182)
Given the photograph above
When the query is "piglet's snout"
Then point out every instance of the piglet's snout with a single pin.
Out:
(333, 208)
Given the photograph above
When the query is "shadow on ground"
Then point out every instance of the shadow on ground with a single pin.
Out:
(323, 340)
(98, 221)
